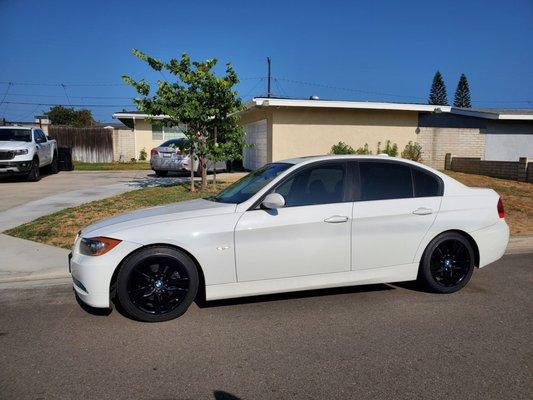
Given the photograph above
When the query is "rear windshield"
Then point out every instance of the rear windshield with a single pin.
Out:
(15, 135)
(174, 143)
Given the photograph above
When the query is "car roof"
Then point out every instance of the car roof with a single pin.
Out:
(299, 160)
(16, 127)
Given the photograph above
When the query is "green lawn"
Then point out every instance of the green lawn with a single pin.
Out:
(115, 166)
(60, 229)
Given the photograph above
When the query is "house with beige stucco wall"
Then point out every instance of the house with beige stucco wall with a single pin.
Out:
(285, 128)
(278, 128)
(142, 132)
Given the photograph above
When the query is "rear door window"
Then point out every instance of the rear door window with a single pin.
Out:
(385, 180)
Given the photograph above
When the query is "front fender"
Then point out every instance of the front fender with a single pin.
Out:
(209, 239)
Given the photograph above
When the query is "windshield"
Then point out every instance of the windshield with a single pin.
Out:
(249, 185)
(15, 135)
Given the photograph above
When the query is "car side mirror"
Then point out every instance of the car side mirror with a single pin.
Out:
(273, 201)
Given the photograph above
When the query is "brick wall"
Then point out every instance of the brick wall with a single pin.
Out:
(461, 142)
(521, 170)
(123, 145)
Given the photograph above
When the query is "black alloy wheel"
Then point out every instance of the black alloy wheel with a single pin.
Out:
(54, 166)
(447, 264)
(157, 284)
(35, 173)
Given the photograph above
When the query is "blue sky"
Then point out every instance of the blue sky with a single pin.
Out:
(361, 50)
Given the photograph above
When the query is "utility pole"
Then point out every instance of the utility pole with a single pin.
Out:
(269, 88)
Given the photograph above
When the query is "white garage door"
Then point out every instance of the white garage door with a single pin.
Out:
(256, 135)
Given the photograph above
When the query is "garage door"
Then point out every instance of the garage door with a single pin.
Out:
(256, 135)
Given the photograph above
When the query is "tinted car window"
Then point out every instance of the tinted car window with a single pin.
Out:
(321, 184)
(385, 180)
(426, 185)
(173, 142)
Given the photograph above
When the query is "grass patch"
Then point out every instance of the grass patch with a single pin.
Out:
(60, 229)
(114, 166)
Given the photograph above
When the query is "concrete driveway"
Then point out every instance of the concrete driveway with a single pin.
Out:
(15, 192)
(22, 202)
(367, 342)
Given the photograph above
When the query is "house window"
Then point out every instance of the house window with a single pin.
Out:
(157, 132)
(160, 132)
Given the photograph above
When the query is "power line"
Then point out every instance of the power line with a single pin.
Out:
(72, 97)
(69, 105)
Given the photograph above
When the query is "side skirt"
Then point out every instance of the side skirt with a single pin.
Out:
(398, 273)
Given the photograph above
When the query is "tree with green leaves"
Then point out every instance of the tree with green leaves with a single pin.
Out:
(197, 98)
(462, 93)
(437, 93)
(60, 115)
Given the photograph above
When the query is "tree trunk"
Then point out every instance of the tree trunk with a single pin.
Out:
(191, 164)
(203, 165)
(215, 163)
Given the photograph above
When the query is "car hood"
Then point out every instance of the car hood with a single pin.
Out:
(186, 209)
(10, 145)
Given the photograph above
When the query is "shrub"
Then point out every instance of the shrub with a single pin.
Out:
(363, 150)
(412, 151)
(390, 149)
(342, 148)
(143, 155)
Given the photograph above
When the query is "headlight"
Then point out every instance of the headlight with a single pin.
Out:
(20, 152)
(97, 246)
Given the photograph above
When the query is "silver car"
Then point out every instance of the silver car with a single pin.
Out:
(169, 156)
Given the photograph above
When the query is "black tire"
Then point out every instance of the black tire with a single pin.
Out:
(447, 263)
(35, 173)
(53, 168)
(161, 173)
(157, 284)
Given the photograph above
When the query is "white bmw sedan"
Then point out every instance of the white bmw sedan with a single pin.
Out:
(306, 223)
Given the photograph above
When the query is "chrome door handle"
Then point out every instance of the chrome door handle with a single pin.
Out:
(336, 219)
(423, 211)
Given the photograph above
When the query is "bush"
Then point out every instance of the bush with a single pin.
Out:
(412, 151)
(143, 155)
(390, 149)
(363, 150)
(342, 148)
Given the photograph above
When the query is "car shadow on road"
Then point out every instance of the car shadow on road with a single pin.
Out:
(293, 295)
(103, 312)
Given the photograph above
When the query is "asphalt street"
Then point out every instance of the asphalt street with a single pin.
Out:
(381, 341)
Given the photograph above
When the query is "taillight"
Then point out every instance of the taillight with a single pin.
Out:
(501, 210)
(154, 152)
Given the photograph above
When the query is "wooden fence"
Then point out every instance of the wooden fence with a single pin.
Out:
(88, 144)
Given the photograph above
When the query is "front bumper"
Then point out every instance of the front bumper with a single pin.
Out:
(91, 276)
(14, 167)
